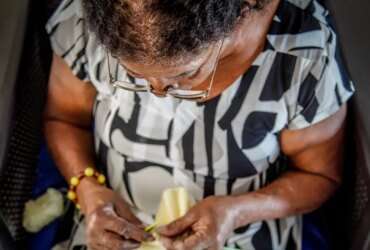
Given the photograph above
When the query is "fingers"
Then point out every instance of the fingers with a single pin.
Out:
(178, 226)
(194, 241)
(124, 211)
(215, 247)
(125, 229)
(197, 240)
(105, 222)
(111, 241)
(168, 243)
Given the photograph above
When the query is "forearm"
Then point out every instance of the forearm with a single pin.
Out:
(70, 146)
(295, 192)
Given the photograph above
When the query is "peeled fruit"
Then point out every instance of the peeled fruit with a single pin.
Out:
(175, 202)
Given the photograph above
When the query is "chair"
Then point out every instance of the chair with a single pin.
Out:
(351, 205)
(21, 108)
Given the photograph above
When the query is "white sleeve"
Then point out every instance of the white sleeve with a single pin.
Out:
(323, 90)
(68, 36)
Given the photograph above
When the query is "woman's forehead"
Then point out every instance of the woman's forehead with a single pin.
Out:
(167, 67)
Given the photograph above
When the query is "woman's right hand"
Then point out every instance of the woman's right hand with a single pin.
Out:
(110, 224)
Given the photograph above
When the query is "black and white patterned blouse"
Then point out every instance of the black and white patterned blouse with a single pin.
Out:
(229, 144)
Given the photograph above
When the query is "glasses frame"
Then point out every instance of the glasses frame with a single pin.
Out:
(193, 95)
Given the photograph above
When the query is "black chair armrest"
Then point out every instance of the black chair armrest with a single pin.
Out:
(352, 23)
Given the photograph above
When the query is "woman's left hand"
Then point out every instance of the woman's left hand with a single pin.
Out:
(206, 225)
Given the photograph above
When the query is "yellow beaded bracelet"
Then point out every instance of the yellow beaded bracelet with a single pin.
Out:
(75, 181)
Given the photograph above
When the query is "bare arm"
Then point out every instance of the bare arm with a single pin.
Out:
(316, 160)
(68, 118)
(316, 156)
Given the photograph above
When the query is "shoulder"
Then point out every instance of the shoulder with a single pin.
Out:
(71, 40)
(302, 65)
(67, 11)
(302, 46)
(302, 28)
(68, 35)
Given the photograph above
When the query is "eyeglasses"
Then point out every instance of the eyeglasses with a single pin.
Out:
(141, 86)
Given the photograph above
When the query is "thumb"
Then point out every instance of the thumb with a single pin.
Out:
(178, 226)
(124, 211)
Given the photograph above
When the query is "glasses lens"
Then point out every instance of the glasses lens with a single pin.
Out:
(187, 94)
(121, 79)
(130, 86)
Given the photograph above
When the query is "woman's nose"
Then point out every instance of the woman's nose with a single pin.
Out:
(159, 87)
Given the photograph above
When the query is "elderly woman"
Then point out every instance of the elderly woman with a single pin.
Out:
(242, 102)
